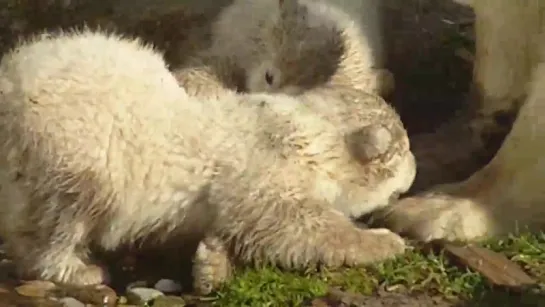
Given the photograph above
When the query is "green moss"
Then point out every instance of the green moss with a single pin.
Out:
(412, 272)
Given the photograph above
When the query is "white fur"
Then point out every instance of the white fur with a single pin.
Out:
(354, 180)
(507, 195)
(292, 45)
(369, 170)
(381, 177)
(101, 146)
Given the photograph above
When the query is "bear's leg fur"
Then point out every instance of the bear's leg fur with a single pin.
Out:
(60, 256)
(268, 219)
(506, 196)
(507, 50)
(212, 265)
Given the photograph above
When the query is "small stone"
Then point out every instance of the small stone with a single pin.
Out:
(169, 301)
(71, 302)
(142, 295)
(122, 300)
(35, 288)
(137, 284)
(168, 286)
(100, 295)
(14, 299)
(7, 269)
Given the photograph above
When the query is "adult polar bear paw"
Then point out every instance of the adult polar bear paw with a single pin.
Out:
(436, 216)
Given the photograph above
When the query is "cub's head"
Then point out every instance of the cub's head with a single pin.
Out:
(370, 163)
(299, 47)
(374, 167)
(357, 164)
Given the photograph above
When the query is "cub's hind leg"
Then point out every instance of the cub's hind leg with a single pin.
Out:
(44, 244)
(212, 265)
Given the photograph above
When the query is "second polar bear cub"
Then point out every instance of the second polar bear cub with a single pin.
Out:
(292, 45)
(102, 147)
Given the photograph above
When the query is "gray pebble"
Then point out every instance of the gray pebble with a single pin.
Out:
(71, 302)
(142, 295)
(137, 284)
(168, 286)
(169, 301)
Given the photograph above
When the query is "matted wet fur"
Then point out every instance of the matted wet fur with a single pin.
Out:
(293, 45)
(506, 196)
(209, 76)
(373, 130)
(102, 146)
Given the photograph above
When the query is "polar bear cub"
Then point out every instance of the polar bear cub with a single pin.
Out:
(102, 147)
(377, 166)
(290, 46)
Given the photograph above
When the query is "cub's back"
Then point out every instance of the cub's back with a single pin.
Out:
(87, 100)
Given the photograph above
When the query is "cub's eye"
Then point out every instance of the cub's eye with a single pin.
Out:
(269, 78)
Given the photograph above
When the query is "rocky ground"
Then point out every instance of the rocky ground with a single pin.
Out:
(427, 47)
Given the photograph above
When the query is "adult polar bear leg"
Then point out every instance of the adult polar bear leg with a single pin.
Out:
(505, 196)
(507, 50)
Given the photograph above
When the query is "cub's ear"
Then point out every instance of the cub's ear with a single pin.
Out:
(369, 142)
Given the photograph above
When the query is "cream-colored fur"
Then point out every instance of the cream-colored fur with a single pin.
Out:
(208, 77)
(102, 147)
(508, 44)
(378, 167)
(377, 140)
(506, 195)
(292, 45)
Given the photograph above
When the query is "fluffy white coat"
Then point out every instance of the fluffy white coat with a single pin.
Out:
(101, 146)
(293, 45)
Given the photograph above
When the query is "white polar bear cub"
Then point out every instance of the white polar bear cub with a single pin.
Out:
(102, 147)
(291, 46)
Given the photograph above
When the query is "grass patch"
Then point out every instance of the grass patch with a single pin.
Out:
(413, 272)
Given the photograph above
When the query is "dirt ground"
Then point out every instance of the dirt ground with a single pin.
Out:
(423, 41)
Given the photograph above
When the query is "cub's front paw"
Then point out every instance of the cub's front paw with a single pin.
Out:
(377, 245)
(211, 267)
(354, 246)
